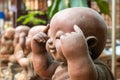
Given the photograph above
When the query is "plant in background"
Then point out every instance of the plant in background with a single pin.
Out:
(32, 18)
(58, 5)
(103, 6)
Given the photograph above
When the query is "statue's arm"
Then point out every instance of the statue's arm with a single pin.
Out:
(42, 62)
(76, 52)
(20, 56)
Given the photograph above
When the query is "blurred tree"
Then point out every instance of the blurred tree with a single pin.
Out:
(58, 5)
(32, 18)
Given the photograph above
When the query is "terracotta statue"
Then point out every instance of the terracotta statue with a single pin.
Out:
(77, 37)
(19, 38)
(7, 48)
(20, 31)
(24, 55)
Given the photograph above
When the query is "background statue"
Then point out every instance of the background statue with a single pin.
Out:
(23, 55)
(6, 51)
(7, 48)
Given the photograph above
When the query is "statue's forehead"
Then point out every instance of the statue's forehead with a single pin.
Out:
(54, 29)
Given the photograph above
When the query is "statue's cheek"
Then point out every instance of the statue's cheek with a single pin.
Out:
(47, 47)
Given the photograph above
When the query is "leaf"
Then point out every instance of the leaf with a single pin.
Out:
(62, 5)
(39, 13)
(58, 5)
(103, 6)
(31, 18)
(78, 3)
(37, 21)
(53, 8)
(21, 18)
(28, 19)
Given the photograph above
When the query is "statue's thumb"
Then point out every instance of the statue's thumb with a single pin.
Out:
(77, 29)
(47, 28)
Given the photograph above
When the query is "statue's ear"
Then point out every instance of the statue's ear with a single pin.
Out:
(91, 41)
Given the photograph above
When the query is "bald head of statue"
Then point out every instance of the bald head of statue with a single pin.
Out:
(89, 21)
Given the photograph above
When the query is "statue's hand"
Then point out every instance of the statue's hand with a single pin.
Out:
(39, 41)
(22, 39)
(74, 44)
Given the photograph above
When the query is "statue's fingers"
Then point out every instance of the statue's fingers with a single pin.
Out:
(62, 37)
(36, 38)
(46, 29)
(77, 29)
(44, 37)
(67, 34)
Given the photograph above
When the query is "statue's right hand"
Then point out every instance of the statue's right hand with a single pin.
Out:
(40, 38)
(38, 42)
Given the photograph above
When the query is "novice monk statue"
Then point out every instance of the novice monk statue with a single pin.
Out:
(7, 48)
(77, 37)
(24, 55)
(20, 31)
(19, 40)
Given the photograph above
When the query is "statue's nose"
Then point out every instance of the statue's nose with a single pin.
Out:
(50, 42)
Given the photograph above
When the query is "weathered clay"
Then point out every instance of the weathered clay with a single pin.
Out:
(74, 41)
(89, 21)
(7, 48)
(19, 30)
(24, 56)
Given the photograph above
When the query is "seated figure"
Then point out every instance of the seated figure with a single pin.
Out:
(23, 55)
(6, 51)
(7, 48)
(21, 32)
(75, 39)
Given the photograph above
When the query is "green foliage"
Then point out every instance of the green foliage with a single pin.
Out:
(32, 18)
(58, 5)
(103, 6)
(78, 3)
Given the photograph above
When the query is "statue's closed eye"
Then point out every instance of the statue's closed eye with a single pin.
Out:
(58, 34)
(6, 38)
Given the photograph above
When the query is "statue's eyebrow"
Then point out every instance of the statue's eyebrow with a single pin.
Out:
(57, 37)
(58, 34)
(6, 38)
